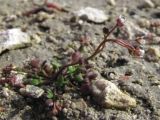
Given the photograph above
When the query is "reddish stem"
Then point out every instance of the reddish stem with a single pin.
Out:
(102, 44)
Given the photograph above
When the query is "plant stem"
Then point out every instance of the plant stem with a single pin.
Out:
(102, 44)
(62, 68)
(98, 49)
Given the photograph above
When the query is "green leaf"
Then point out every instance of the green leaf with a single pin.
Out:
(35, 81)
(55, 64)
(50, 94)
(71, 69)
(79, 77)
(61, 82)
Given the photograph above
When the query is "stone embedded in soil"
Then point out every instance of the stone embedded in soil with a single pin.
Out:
(112, 2)
(153, 54)
(79, 104)
(7, 92)
(13, 38)
(31, 90)
(149, 3)
(109, 95)
(92, 14)
(41, 16)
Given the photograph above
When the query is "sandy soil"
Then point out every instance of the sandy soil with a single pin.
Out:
(59, 32)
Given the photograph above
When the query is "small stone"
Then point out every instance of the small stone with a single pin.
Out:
(153, 54)
(92, 14)
(149, 3)
(80, 104)
(110, 75)
(65, 110)
(7, 93)
(35, 39)
(109, 95)
(73, 105)
(13, 38)
(41, 16)
(67, 103)
(155, 82)
(32, 91)
(37, 2)
(112, 2)
(52, 39)
(142, 22)
(66, 96)
(54, 118)
(11, 18)
(76, 113)
(157, 31)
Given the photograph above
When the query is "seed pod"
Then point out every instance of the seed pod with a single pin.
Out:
(76, 57)
(35, 63)
(105, 30)
(120, 21)
(91, 75)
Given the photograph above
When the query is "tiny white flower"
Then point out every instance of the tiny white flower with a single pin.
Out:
(121, 20)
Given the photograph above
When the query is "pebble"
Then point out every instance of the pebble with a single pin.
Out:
(67, 96)
(65, 110)
(92, 14)
(32, 91)
(13, 38)
(35, 39)
(7, 93)
(155, 83)
(79, 104)
(109, 95)
(37, 2)
(142, 22)
(54, 118)
(149, 3)
(112, 2)
(76, 113)
(110, 75)
(41, 16)
(10, 18)
(153, 54)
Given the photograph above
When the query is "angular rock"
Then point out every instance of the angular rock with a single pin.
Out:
(92, 14)
(153, 54)
(31, 90)
(13, 38)
(112, 2)
(109, 95)
(149, 3)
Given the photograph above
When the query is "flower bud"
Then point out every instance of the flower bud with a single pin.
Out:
(120, 21)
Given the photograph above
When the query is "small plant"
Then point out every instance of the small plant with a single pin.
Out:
(78, 59)
(77, 73)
